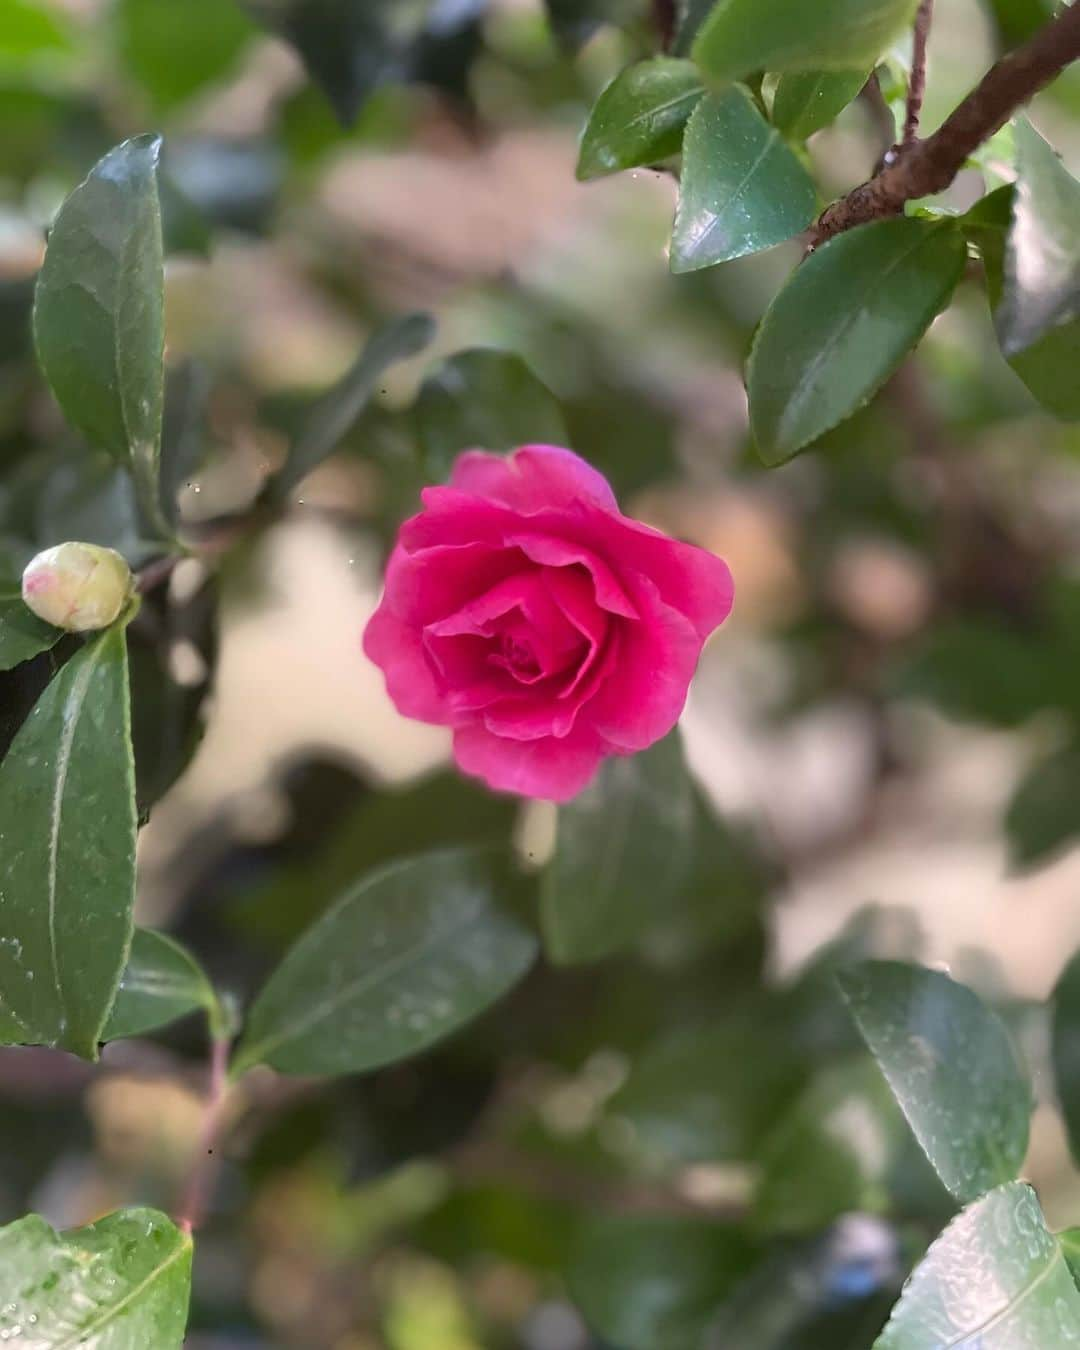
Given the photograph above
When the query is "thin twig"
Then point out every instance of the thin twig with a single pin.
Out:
(917, 83)
(207, 1161)
(928, 166)
(666, 19)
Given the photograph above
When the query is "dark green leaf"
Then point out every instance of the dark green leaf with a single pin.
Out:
(843, 323)
(832, 1153)
(640, 116)
(340, 407)
(161, 983)
(98, 311)
(807, 102)
(623, 849)
(741, 36)
(1042, 258)
(122, 1283)
(952, 1068)
(1043, 817)
(176, 50)
(652, 1283)
(22, 634)
(707, 1095)
(1066, 1049)
(413, 952)
(742, 189)
(67, 854)
(996, 1279)
(691, 15)
(484, 400)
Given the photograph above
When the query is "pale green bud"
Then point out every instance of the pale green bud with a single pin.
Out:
(77, 587)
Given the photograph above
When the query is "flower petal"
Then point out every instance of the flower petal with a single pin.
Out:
(551, 769)
(533, 478)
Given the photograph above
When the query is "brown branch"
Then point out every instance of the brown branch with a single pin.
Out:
(666, 19)
(917, 83)
(929, 166)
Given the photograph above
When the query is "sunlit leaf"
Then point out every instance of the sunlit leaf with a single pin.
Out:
(640, 117)
(807, 102)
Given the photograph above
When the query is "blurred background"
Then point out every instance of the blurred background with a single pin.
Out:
(887, 725)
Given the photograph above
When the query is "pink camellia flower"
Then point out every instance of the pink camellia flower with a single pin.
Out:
(549, 630)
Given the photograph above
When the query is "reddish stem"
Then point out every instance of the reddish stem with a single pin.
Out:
(206, 1163)
(917, 84)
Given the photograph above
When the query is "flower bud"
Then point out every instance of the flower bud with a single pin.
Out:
(77, 587)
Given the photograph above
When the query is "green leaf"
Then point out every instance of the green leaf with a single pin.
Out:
(67, 857)
(341, 406)
(996, 1279)
(1043, 817)
(98, 309)
(832, 1153)
(161, 983)
(484, 400)
(742, 189)
(22, 634)
(843, 323)
(1070, 1245)
(806, 102)
(640, 117)
(742, 36)
(1065, 1042)
(406, 957)
(708, 1094)
(176, 50)
(952, 1068)
(28, 29)
(655, 1283)
(122, 1283)
(1042, 258)
(623, 848)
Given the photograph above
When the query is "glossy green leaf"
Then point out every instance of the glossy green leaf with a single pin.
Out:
(807, 102)
(67, 854)
(1048, 366)
(655, 1283)
(707, 1094)
(122, 1283)
(843, 323)
(174, 51)
(1042, 257)
(98, 308)
(743, 190)
(742, 36)
(22, 634)
(1043, 817)
(952, 1068)
(640, 117)
(161, 983)
(484, 400)
(623, 849)
(1065, 1043)
(410, 954)
(341, 406)
(996, 1279)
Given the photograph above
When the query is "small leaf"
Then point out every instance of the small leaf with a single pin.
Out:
(640, 117)
(807, 102)
(161, 983)
(654, 1283)
(484, 400)
(98, 311)
(996, 1279)
(122, 1283)
(22, 634)
(843, 323)
(623, 849)
(30, 29)
(1042, 259)
(174, 51)
(741, 36)
(340, 407)
(1065, 1005)
(742, 189)
(952, 1068)
(406, 957)
(1043, 818)
(67, 854)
